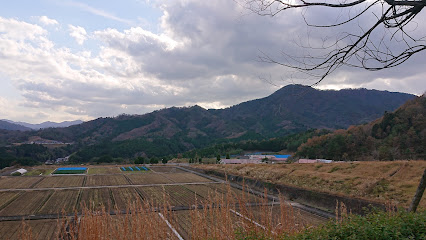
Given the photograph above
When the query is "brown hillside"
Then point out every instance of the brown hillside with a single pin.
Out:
(394, 181)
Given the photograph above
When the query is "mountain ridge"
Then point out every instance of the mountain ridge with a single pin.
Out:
(46, 124)
(292, 109)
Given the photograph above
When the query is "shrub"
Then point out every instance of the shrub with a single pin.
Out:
(379, 225)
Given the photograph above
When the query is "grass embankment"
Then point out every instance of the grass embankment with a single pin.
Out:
(394, 181)
(39, 171)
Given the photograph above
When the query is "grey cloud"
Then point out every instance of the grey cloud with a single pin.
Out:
(206, 52)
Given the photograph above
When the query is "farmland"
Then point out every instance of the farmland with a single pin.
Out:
(106, 180)
(60, 200)
(26, 204)
(70, 170)
(18, 182)
(394, 181)
(103, 170)
(60, 181)
(148, 178)
(109, 189)
(40, 229)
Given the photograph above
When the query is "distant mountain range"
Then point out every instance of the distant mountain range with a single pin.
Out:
(6, 125)
(294, 108)
(23, 126)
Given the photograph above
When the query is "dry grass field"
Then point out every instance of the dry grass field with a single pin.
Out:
(7, 197)
(186, 178)
(27, 203)
(40, 229)
(106, 180)
(124, 196)
(166, 169)
(61, 200)
(39, 172)
(18, 182)
(94, 196)
(394, 181)
(95, 199)
(61, 181)
(148, 178)
(103, 170)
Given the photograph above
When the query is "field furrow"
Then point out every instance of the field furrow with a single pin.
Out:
(26, 204)
(61, 200)
(40, 229)
(124, 196)
(17, 182)
(186, 178)
(106, 180)
(60, 181)
(6, 198)
(148, 178)
(95, 199)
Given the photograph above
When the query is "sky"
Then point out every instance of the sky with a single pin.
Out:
(74, 59)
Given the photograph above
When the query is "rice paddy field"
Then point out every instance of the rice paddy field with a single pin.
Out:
(40, 229)
(109, 189)
(60, 181)
(106, 180)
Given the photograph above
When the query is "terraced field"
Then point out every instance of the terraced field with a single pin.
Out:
(106, 180)
(103, 170)
(186, 178)
(27, 203)
(105, 188)
(59, 201)
(18, 182)
(124, 196)
(40, 229)
(7, 197)
(149, 178)
(95, 199)
(61, 181)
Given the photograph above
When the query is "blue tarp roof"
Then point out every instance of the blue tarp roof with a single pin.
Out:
(71, 168)
(282, 156)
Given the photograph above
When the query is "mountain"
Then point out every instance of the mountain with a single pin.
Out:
(297, 105)
(400, 134)
(12, 126)
(47, 124)
(292, 109)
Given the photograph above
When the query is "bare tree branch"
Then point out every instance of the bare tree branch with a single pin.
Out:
(360, 50)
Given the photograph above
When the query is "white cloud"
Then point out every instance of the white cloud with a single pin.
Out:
(78, 33)
(205, 53)
(98, 12)
(47, 21)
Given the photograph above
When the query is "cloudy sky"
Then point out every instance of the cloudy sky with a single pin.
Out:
(75, 59)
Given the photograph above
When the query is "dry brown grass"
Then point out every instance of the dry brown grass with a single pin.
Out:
(394, 181)
(220, 216)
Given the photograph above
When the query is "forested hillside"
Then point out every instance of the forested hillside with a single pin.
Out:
(397, 135)
(292, 109)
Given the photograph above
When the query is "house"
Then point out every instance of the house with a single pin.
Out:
(314, 161)
(270, 158)
(307, 160)
(240, 161)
